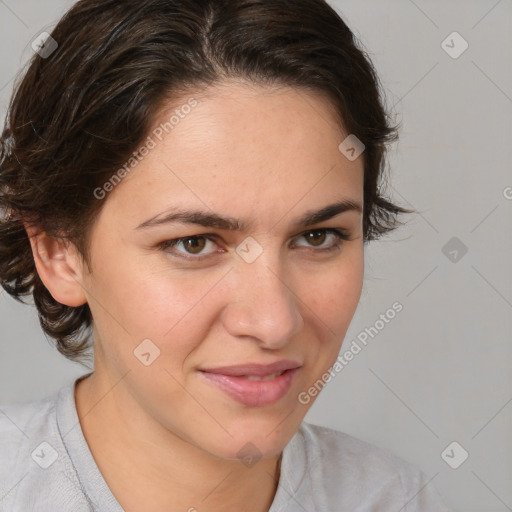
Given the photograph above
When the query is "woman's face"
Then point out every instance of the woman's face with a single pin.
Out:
(277, 287)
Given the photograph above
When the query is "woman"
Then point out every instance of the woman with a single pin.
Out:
(190, 185)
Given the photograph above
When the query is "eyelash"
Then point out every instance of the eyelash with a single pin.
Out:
(339, 234)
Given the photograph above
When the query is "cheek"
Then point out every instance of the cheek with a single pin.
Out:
(333, 294)
(171, 308)
(331, 299)
(142, 296)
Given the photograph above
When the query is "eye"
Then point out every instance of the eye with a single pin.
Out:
(196, 247)
(316, 238)
(192, 246)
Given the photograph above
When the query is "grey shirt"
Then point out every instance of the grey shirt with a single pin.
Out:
(46, 466)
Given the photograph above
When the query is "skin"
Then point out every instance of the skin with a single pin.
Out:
(163, 437)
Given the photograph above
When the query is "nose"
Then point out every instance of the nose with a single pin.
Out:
(261, 305)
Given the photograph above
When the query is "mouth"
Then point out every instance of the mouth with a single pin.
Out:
(254, 390)
(255, 369)
(268, 377)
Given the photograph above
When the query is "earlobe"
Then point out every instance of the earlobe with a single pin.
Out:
(59, 267)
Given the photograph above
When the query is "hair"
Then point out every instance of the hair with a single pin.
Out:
(78, 114)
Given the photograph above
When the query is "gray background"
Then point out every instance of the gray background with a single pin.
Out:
(440, 370)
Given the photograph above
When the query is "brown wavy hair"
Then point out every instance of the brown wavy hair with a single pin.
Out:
(76, 115)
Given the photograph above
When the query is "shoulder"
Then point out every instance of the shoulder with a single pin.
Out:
(362, 475)
(36, 472)
(347, 452)
(21, 424)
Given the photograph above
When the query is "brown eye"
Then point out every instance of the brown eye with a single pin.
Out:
(315, 237)
(324, 239)
(194, 245)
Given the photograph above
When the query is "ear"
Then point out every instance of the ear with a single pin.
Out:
(59, 266)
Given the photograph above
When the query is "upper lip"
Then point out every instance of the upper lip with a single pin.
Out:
(253, 369)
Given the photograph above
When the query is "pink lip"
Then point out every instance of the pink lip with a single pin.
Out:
(254, 393)
(254, 369)
(232, 380)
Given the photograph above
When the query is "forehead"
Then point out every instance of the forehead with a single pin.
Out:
(238, 146)
(236, 112)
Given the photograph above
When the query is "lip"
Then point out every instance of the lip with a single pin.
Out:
(253, 393)
(253, 369)
(232, 380)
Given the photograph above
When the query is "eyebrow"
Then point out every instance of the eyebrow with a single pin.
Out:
(213, 220)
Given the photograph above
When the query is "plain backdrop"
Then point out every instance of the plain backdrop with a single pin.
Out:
(439, 372)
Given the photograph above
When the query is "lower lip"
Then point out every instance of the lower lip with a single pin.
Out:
(254, 393)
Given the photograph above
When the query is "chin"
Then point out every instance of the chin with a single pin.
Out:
(255, 439)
